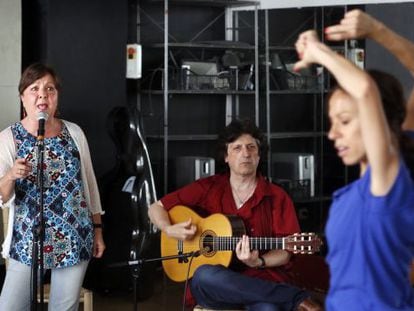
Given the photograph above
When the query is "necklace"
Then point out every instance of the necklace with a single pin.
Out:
(238, 199)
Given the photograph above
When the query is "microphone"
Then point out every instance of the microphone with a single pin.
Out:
(201, 251)
(42, 118)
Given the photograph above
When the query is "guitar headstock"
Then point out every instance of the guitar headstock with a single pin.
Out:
(303, 243)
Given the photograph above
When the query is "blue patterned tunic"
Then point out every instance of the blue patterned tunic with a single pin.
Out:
(68, 222)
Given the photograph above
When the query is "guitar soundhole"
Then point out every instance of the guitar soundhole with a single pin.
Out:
(207, 243)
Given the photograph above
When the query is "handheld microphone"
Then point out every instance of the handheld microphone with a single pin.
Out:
(42, 118)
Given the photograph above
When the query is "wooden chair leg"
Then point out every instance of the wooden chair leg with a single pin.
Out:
(87, 300)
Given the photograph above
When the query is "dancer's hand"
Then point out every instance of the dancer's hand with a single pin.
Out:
(308, 48)
(354, 25)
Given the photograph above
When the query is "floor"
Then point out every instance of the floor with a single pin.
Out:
(310, 272)
(167, 296)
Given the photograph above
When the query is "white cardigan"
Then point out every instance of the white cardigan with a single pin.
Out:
(8, 156)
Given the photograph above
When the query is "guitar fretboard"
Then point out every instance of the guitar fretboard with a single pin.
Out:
(226, 243)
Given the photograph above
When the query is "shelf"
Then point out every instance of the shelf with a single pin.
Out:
(217, 3)
(298, 92)
(293, 49)
(282, 48)
(338, 48)
(294, 4)
(287, 135)
(184, 137)
(216, 45)
(199, 92)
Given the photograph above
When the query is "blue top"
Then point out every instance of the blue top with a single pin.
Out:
(68, 222)
(371, 244)
(409, 133)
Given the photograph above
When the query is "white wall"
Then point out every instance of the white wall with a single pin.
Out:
(380, 58)
(10, 60)
(10, 64)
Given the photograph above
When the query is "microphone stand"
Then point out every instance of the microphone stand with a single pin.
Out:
(138, 264)
(38, 233)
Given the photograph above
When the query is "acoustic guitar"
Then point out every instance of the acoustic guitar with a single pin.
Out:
(216, 237)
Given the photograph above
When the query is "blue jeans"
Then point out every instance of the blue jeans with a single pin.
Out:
(65, 286)
(217, 287)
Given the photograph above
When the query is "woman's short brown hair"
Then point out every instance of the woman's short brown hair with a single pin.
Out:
(35, 72)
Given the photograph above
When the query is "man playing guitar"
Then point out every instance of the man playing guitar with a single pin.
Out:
(257, 279)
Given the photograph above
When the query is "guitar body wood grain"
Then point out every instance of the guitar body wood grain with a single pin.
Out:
(176, 269)
(215, 240)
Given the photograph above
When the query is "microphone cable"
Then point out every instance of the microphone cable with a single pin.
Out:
(193, 255)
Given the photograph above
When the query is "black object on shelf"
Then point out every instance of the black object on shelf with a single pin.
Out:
(188, 79)
(299, 189)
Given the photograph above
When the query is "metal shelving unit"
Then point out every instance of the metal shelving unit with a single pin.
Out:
(311, 138)
(202, 45)
(263, 101)
(200, 92)
(230, 95)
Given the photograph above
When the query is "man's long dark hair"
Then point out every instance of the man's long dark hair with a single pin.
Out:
(231, 133)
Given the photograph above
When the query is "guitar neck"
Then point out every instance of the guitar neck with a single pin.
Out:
(229, 243)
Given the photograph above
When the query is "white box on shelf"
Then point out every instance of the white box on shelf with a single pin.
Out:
(134, 61)
(357, 56)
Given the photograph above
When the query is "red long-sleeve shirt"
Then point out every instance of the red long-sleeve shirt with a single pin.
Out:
(268, 213)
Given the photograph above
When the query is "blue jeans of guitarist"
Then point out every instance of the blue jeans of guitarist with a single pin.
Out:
(218, 287)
